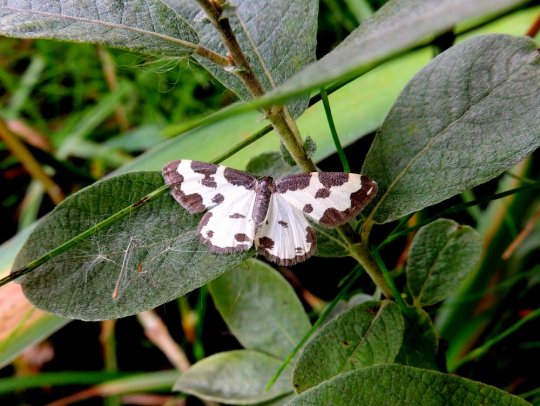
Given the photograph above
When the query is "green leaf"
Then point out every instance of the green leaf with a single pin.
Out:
(397, 26)
(280, 401)
(420, 341)
(147, 26)
(441, 255)
(269, 164)
(368, 334)
(279, 39)
(146, 259)
(260, 308)
(401, 385)
(329, 243)
(237, 377)
(461, 121)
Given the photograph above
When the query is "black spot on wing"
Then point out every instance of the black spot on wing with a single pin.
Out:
(209, 181)
(264, 244)
(283, 224)
(237, 216)
(239, 178)
(192, 202)
(329, 179)
(322, 193)
(204, 168)
(241, 237)
(218, 198)
(308, 208)
(293, 182)
(359, 199)
(208, 235)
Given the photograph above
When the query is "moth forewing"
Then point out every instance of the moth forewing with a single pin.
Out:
(198, 186)
(329, 198)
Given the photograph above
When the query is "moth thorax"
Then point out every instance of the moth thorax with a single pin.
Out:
(264, 188)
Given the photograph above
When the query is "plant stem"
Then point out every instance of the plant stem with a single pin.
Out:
(213, 10)
(212, 56)
(360, 251)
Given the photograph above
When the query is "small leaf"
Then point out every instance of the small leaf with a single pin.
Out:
(237, 377)
(462, 120)
(441, 255)
(384, 385)
(420, 341)
(329, 243)
(260, 308)
(286, 155)
(310, 146)
(368, 334)
(147, 26)
(146, 259)
(269, 164)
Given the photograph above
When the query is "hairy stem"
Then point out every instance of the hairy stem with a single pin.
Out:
(277, 115)
(359, 250)
(212, 56)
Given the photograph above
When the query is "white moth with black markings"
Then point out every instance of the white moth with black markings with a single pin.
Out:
(244, 210)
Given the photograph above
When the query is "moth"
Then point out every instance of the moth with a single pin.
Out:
(243, 210)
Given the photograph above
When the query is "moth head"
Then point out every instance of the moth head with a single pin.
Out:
(265, 186)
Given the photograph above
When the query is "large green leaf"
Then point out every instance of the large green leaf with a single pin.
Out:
(420, 341)
(237, 377)
(260, 308)
(401, 385)
(465, 118)
(147, 26)
(441, 255)
(398, 25)
(365, 335)
(278, 37)
(144, 260)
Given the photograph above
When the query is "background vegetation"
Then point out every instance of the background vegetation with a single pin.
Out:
(72, 114)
